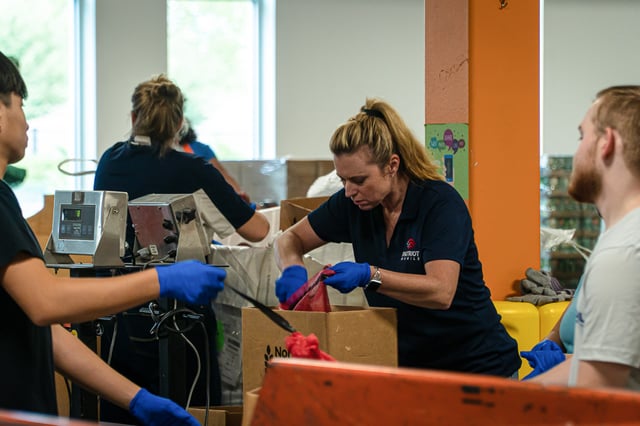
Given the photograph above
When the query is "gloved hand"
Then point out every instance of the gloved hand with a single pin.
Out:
(349, 275)
(191, 281)
(152, 410)
(292, 278)
(542, 357)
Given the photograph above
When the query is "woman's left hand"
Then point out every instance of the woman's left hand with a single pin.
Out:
(348, 276)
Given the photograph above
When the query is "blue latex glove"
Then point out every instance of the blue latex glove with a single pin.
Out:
(542, 357)
(349, 275)
(152, 410)
(292, 278)
(191, 281)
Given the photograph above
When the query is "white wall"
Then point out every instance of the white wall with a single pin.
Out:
(332, 54)
(588, 45)
(130, 47)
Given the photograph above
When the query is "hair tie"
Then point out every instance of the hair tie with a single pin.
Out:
(372, 113)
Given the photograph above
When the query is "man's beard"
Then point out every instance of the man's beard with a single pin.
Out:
(585, 185)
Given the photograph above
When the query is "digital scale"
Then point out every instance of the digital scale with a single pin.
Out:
(168, 227)
(89, 223)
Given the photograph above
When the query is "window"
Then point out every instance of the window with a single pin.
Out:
(42, 44)
(220, 52)
(214, 55)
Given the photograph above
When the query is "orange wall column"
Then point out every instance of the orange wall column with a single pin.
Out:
(503, 116)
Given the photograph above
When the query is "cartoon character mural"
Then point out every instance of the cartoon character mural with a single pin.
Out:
(447, 144)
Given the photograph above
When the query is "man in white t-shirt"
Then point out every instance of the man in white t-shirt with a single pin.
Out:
(606, 172)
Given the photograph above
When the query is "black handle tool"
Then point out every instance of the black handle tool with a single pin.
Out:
(273, 316)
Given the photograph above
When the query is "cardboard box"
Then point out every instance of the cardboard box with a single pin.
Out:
(294, 209)
(350, 334)
(253, 271)
(219, 416)
(249, 406)
(302, 173)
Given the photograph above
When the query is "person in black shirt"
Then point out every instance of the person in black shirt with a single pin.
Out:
(33, 302)
(413, 244)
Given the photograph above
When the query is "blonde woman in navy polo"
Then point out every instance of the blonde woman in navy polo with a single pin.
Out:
(413, 244)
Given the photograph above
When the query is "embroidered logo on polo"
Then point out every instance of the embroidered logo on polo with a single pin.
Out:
(411, 244)
(410, 254)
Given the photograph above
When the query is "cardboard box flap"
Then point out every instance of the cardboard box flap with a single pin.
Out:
(294, 209)
(249, 405)
(227, 415)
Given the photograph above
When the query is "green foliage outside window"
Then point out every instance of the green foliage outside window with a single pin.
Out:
(38, 34)
(34, 32)
(211, 51)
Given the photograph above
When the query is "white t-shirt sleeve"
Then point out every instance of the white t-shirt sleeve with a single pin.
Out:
(609, 305)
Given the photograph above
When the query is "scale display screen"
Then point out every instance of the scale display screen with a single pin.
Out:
(71, 214)
(77, 222)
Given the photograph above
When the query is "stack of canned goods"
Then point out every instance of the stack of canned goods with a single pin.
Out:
(559, 211)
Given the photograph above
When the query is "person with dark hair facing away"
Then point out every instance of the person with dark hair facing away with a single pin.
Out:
(189, 143)
(413, 244)
(34, 303)
(148, 163)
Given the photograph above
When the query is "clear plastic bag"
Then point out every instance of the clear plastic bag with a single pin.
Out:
(551, 237)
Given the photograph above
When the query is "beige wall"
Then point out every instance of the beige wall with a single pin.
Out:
(332, 54)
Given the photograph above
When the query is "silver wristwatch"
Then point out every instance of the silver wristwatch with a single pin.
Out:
(375, 282)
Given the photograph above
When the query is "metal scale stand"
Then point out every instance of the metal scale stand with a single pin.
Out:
(169, 229)
(91, 224)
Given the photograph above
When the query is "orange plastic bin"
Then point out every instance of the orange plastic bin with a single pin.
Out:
(314, 393)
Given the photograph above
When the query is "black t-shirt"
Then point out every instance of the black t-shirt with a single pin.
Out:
(27, 379)
(434, 224)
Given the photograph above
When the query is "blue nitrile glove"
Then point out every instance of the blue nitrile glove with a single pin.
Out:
(152, 410)
(348, 276)
(542, 357)
(292, 278)
(191, 281)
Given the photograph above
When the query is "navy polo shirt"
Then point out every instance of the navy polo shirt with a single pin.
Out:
(434, 225)
(139, 170)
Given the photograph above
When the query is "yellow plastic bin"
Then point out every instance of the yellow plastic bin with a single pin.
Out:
(549, 315)
(522, 321)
